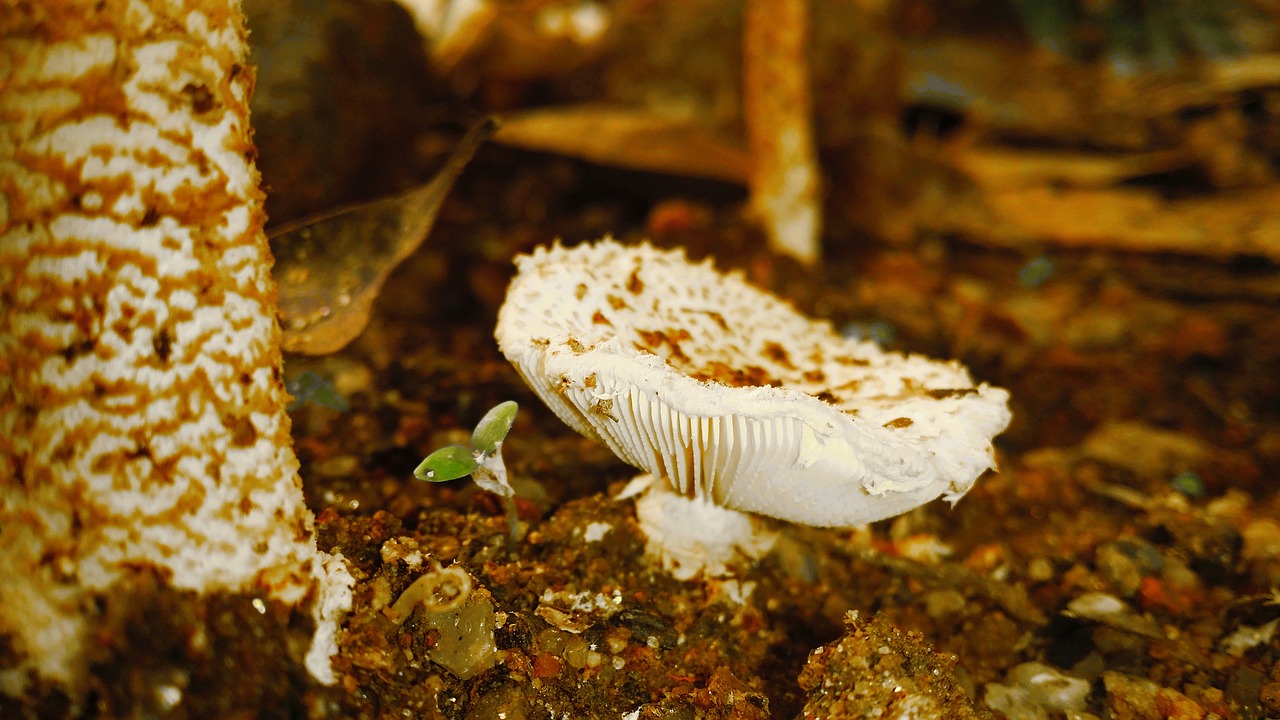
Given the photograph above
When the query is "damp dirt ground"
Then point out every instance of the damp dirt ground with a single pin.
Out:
(1128, 542)
(1125, 554)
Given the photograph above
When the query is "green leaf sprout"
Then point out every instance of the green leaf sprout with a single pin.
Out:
(493, 427)
(482, 461)
(447, 463)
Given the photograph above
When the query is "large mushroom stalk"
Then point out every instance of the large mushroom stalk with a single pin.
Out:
(142, 421)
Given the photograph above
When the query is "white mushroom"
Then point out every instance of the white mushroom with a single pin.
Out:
(733, 396)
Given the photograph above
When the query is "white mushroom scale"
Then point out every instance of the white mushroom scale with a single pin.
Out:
(733, 396)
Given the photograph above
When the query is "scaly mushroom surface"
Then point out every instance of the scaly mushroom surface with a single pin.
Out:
(142, 413)
(735, 398)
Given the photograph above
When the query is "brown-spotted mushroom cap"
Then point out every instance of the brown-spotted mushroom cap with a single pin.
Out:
(735, 397)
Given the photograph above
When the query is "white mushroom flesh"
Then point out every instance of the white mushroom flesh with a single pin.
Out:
(692, 537)
(735, 397)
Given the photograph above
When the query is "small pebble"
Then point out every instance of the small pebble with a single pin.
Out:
(1244, 688)
(1113, 612)
(546, 665)
(1132, 698)
(942, 604)
(1032, 691)
(1125, 562)
(1261, 540)
(676, 216)
(576, 652)
(1039, 570)
(1119, 570)
(402, 548)
(1269, 696)
(1035, 272)
(508, 701)
(595, 531)
(1189, 483)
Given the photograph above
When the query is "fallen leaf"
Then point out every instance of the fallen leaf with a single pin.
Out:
(330, 268)
(628, 138)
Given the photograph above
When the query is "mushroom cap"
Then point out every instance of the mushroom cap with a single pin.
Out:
(735, 397)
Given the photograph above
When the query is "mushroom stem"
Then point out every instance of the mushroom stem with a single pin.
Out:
(692, 536)
(777, 111)
(142, 411)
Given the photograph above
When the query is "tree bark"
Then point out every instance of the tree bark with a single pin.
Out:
(142, 422)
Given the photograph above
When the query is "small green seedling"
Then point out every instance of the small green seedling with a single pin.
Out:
(482, 461)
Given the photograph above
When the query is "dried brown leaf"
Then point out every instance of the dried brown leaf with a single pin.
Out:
(330, 268)
(627, 138)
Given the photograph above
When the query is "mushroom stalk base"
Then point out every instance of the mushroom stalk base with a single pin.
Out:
(692, 536)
